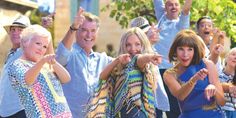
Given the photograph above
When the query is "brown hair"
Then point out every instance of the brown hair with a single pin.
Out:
(91, 17)
(187, 38)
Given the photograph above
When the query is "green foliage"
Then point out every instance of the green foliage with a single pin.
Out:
(35, 18)
(223, 12)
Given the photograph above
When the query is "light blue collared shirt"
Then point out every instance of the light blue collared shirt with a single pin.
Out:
(169, 29)
(9, 100)
(84, 71)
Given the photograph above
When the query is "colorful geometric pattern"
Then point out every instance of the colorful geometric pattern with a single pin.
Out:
(44, 98)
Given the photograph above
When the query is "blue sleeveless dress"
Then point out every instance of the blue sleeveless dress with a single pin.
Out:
(196, 105)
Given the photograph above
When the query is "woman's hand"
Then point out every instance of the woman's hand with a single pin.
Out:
(124, 59)
(155, 58)
(232, 90)
(201, 74)
(210, 91)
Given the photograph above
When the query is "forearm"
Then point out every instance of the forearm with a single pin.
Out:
(61, 73)
(187, 6)
(219, 96)
(32, 74)
(214, 57)
(225, 87)
(159, 8)
(108, 69)
(142, 60)
(186, 89)
(68, 39)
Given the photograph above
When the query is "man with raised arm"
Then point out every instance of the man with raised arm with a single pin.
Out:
(83, 64)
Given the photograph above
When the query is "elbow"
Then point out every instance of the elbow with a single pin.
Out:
(221, 102)
(180, 98)
(65, 79)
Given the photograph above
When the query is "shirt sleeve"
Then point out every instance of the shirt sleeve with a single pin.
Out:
(62, 54)
(16, 72)
(184, 21)
(159, 8)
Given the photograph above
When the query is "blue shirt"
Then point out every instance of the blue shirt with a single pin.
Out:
(84, 71)
(169, 29)
(161, 95)
(9, 100)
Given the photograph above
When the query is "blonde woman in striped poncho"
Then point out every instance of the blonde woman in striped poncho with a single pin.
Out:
(127, 86)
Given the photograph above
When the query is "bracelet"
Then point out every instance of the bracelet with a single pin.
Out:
(191, 83)
(73, 29)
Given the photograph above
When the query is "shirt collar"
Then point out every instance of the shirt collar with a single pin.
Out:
(79, 49)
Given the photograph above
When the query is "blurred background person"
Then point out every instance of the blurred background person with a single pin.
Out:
(9, 101)
(228, 80)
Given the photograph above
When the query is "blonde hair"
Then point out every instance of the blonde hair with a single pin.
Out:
(227, 55)
(146, 46)
(34, 30)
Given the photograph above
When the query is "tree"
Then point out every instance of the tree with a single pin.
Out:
(223, 13)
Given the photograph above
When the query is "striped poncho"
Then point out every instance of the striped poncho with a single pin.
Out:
(127, 86)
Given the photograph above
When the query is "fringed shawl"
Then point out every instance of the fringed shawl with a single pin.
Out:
(125, 86)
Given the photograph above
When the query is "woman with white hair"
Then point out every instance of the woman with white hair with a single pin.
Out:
(37, 76)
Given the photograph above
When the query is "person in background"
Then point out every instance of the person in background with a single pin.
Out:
(171, 19)
(193, 80)
(10, 106)
(130, 80)
(213, 38)
(228, 80)
(110, 50)
(37, 76)
(153, 36)
(83, 64)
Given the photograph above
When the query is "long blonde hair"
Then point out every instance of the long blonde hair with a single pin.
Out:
(146, 46)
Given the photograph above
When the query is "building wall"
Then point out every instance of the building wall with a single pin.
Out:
(9, 11)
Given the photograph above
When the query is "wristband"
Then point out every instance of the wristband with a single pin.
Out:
(73, 29)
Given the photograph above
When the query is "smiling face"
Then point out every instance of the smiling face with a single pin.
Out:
(87, 34)
(35, 48)
(133, 45)
(185, 55)
(172, 8)
(205, 28)
(231, 58)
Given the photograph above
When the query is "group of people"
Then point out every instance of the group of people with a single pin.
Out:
(158, 68)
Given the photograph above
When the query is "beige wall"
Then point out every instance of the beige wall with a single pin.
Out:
(110, 31)
(9, 11)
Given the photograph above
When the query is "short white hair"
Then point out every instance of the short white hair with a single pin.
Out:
(35, 30)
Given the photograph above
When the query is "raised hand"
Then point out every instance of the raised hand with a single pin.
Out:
(217, 49)
(79, 19)
(210, 91)
(50, 59)
(47, 21)
(153, 34)
(232, 91)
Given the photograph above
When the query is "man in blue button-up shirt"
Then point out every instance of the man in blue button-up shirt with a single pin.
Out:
(10, 105)
(82, 63)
